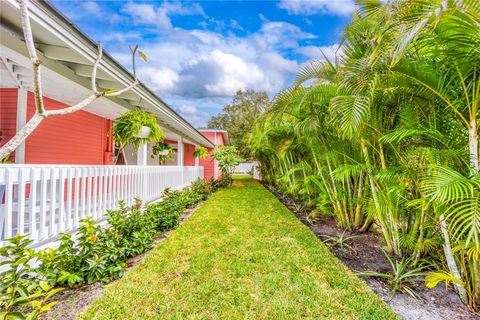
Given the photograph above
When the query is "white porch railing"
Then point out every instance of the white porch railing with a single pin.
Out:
(45, 200)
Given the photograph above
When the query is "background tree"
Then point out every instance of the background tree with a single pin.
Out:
(238, 117)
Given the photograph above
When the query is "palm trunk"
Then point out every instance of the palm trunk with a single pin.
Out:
(358, 210)
(420, 220)
(375, 193)
(473, 147)
(452, 265)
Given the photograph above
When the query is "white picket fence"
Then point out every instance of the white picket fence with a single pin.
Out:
(45, 200)
(244, 168)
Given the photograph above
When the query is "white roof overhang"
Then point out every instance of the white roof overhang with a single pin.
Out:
(67, 55)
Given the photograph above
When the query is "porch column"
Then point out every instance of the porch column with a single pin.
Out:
(142, 155)
(21, 121)
(197, 160)
(215, 162)
(180, 152)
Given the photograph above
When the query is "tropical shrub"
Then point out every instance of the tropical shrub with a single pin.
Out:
(401, 277)
(130, 229)
(228, 159)
(386, 136)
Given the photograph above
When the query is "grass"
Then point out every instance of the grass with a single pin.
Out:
(242, 255)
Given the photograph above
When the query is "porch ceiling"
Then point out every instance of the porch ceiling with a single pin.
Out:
(67, 55)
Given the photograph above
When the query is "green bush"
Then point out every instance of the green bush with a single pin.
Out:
(99, 253)
(22, 294)
(93, 257)
(131, 229)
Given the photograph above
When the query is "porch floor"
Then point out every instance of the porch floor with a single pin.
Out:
(242, 255)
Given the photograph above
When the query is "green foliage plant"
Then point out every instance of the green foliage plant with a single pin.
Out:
(401, 278)
(200, 152)
(228, 158)
(23, 295)
(159, 148)
(127, 126)
(340, 240)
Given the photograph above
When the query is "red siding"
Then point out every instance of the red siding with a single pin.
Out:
(8, 115)
(208, 163)
(77, 138)
(188, 158)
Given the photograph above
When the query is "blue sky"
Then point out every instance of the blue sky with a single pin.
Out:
(201, 52)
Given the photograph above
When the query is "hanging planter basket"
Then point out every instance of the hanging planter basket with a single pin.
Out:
(143, 133)
(164, 152)
(136, 127)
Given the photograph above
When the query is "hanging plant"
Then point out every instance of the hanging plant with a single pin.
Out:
(136, 127)
(163, 150)
(200, 152)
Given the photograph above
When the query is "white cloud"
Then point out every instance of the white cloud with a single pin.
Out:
(203, 64)
(158, 78)
(195, 116)
(177, 8)
(91, 7)
(144, 13)
(319, 53)
(311, 7)
(224, 74)
(197, 71)
(235, 25)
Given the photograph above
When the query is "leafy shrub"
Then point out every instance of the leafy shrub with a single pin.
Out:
(223, 182)
(228, 159)
(131, 229)
(22, 294)
(166, 213)
(93, 257)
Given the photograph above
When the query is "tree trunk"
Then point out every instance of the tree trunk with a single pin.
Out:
(452, 265)
(473, 145)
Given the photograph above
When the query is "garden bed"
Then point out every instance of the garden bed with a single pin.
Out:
(72, 302)
(365, 254)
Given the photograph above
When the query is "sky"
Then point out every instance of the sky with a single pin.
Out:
(201, 52)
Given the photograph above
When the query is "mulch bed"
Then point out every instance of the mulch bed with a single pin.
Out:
(365, 254)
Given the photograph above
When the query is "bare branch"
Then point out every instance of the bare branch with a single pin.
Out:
(21, 135)
(82, 104)
(32, 52)
(27, 30)
(95, 67)
(134, 69)
(41, 113)
(119, 92)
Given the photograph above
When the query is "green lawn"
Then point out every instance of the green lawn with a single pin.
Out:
(242, 255)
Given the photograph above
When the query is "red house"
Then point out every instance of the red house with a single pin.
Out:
(65, 170)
